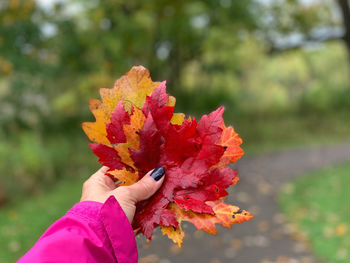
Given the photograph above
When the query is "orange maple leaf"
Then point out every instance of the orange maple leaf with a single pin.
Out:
(231, 140)
(224, 214)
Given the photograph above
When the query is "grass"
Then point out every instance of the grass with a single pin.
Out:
(319, 205)
(23, 223)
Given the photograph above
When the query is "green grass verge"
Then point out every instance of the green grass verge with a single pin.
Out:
(318, 204)
(23, 223)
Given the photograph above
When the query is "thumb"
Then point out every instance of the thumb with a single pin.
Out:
(148, 185)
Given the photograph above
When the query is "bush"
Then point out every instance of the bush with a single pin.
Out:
(31, 162)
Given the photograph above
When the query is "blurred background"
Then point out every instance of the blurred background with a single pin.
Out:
(281, 68)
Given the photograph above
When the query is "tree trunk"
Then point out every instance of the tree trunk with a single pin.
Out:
(345, 9)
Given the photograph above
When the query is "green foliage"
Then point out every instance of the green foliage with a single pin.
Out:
(290, 82)
(318, 204)
(31, 163)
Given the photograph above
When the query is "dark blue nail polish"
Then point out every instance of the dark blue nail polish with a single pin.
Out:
(158, 173)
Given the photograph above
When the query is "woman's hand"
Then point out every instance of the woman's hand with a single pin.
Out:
(99, 187)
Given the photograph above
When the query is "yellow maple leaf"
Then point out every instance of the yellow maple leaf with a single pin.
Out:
(137, 119)
(96, 131)
(124, 176)
(175, 234)
(132, 88)
(177, 118)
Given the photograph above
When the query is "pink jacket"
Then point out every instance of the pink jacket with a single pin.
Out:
(89, 232)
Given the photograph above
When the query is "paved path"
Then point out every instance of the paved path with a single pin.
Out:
(268, 237)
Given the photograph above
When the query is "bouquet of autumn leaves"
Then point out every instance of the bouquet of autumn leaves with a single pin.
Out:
(137, 130)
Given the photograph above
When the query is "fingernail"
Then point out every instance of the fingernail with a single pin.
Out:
(158, 173)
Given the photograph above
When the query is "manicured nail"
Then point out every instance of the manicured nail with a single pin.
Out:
(158, 173)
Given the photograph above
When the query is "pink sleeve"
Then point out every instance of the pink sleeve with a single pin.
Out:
(89, 232)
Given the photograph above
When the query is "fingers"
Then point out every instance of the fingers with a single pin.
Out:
(103, 170)
(100, 172)
(148, 185)
(101, 178)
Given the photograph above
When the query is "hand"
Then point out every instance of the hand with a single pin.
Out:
(99, 187)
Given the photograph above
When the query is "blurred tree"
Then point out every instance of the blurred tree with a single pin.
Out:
(55, 58)
(292, 24)
(345, 10)
(162, 35)
(23, 58)
(20, 36)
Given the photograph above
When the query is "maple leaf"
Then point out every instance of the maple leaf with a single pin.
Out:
(137, 130)
(213, 188)
(147, 157)
(124, 176)
(132, 89)
(231, 141)
(176, 234)
(157, 106)
(177, 118)
(115, 133)
(107, 156)
(131, 131)
(224, 214)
